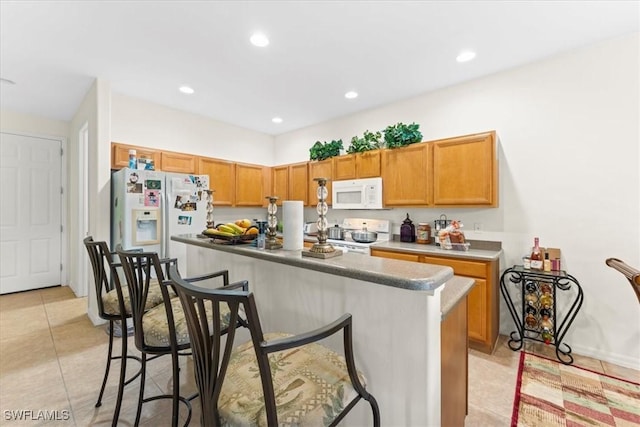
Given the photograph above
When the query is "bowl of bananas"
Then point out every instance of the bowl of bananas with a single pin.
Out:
(231, 233)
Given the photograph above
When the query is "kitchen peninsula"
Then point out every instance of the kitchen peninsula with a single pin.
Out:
(399, 309)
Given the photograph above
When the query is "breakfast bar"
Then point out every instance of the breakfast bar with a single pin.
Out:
(397, 309)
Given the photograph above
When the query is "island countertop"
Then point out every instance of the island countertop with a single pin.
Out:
(383, 271)
(399, 309)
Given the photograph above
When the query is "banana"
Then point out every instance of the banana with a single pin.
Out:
(225, 228)
(236, 229)
(214, 232)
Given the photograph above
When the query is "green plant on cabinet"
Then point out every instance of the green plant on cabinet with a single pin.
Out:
(400, 134)
(322, 151)
(370, 141)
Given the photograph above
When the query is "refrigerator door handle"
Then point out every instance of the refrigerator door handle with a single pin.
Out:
(164, 247)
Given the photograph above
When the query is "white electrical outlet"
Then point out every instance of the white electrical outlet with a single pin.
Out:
(477, 226)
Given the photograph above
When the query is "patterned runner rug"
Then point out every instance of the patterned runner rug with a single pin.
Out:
(549, 393)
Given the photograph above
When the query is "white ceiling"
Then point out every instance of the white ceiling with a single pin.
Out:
(384, 50)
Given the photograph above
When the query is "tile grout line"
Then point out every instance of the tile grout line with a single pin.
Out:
(55, 349)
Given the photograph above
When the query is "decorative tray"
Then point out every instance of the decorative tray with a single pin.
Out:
(229, 240)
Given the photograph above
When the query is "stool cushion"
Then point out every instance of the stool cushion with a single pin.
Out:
(311, 377)
(110, 299)
(156, 329)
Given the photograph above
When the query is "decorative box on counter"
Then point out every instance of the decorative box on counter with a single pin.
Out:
(452, 237)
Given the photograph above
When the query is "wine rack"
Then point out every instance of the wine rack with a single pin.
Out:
(538, 317)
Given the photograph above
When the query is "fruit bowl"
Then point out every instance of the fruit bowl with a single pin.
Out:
(231, 240)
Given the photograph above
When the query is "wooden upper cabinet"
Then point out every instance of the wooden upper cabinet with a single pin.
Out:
(465, 171)
(298, 182)
(344, 167)
(368, 164)
(406, 175)
(120, 155)
(249, 185)
(178, 162)
(357, 165)
(280, 183)
(319, 169)
(221, 179)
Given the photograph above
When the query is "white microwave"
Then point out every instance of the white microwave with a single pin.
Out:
(363, 193)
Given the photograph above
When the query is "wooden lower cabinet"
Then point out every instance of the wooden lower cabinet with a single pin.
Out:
(454, 371)
(483, 307)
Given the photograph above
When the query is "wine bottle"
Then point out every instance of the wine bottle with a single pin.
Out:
(547, 262)
(536, 256)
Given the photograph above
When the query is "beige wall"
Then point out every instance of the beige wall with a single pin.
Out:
(569, 154)
(143, 123)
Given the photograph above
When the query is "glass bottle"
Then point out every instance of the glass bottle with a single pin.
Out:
(547, 262)
(536, 256)
(407, 231)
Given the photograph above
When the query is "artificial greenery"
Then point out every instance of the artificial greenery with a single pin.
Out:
(370, 141)
(322, 151)
(399, 135)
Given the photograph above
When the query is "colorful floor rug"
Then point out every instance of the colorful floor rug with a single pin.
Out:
(549, 393)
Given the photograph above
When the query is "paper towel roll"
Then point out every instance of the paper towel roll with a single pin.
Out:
(292, 224)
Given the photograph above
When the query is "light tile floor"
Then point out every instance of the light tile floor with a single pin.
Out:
(52, 358)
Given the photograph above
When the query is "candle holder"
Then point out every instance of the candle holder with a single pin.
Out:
(210, 222)
(322, 249)
(272, 224)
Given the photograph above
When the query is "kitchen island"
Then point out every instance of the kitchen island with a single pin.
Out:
(397, 313)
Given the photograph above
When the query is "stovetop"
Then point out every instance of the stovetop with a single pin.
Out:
(380, 226)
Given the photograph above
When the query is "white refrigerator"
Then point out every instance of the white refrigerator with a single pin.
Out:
(148, 207)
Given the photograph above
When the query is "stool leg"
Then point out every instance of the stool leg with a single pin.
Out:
(176, 387)
(106, 371)
(143, 377)
(123, 373)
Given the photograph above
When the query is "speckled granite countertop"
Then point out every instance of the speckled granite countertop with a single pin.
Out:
(384, 271)
(488, 254)
(456, 288)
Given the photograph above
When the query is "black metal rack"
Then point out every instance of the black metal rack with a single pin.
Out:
(539, 318)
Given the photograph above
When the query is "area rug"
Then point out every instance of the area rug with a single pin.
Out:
(549, 393)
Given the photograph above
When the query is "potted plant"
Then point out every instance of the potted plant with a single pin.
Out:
(370, 141)
(400, 134)
(322, 151)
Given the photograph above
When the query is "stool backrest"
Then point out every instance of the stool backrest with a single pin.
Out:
(202, 308)
(142, 270)
(105, 274)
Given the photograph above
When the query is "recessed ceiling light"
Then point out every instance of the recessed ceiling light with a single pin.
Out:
(351, 95)
(186, 89)
(7, 81)
(259, 39)
(277, 120)
(465, 56)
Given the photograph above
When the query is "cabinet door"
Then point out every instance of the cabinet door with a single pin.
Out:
(403, 256)
(454, 366)
(368, 164)
(280, 183)
(344, 167)
(321, 169)
(249, 185)
(120, 155)
(406, 175)
(477, 312)
(298, 182)
(178, 162)
(465, 171)
(221, 179)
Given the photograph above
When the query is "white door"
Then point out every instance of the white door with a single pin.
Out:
(30, 212)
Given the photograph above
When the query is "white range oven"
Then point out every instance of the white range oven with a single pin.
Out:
(380, 226)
